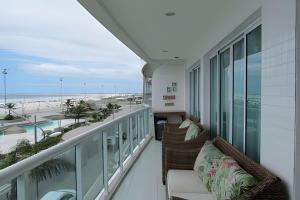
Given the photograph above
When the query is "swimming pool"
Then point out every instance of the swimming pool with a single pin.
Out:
(49, 125)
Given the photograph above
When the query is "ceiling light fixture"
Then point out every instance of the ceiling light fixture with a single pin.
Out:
(169, 14)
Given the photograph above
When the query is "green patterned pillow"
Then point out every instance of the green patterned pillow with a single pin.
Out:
(207, 163)
(186, 123)
(231, 180)
(192, 132)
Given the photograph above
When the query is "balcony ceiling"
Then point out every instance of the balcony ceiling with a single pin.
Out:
(196, 26)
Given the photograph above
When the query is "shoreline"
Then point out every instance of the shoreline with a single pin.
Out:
(44, 112)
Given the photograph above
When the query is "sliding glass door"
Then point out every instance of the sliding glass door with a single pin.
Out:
(214, 96)
(235, 93)
(253, 94)
(239, 69)
(225, 93)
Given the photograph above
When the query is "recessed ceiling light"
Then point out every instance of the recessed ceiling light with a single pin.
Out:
(170, 14)
(176, 57)
(164, 51)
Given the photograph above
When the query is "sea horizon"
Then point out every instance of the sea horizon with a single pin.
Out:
(33, 97)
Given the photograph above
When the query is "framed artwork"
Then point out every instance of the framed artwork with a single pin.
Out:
(169, 89)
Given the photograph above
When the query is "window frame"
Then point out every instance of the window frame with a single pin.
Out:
(229, 43)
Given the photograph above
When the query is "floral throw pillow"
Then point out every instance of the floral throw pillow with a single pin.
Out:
(192, 132)
(207, 163)
(186, 123)
(231, 180)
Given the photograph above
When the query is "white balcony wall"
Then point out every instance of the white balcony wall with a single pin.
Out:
(278, 89)
(162, 78)
(278, 132)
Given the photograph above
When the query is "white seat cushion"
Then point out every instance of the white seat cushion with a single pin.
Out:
(184, 182)
(195, 196)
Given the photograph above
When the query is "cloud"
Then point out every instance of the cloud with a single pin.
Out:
(71, 70)
(64, 32)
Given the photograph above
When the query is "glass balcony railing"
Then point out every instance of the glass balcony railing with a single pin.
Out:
(84, 167)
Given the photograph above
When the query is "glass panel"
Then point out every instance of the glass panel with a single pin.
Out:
(141, 127)
(213, 97)
(124, 128)
(195, 85)
(253, 94)
(198, 111)
(55, 177)
(191, 93)
(225, 97)
(238, 95)
(134, 131)
(113, 159)
(146, 121)
(9, 191)
(92, 166)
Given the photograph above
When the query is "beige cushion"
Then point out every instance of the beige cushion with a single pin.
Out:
(184, 181)
(195, 196)
(192, 132)
(186, 123)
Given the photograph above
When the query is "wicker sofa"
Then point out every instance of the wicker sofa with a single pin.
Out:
(183, 183)
(173, 137)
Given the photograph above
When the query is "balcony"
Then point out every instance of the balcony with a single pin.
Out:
(89, 166)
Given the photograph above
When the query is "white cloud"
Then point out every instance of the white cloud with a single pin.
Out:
(63, 31)
(72, 70)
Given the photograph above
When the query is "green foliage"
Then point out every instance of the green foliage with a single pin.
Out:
(71, 127)
(8, 117)
(45, 144)
(117, 107)
(24, 149)
(69, 104)
(9, 159)
(10, 107)
(78, 111)
(110, 106)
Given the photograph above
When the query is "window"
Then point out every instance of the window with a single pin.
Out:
(225, 90)
(214, 96)
(239, 69)
(240, 93)
(253, 94)
(195, 92)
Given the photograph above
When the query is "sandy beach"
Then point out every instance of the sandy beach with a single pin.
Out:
(42, 108)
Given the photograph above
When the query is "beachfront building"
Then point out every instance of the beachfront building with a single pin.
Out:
(233, 64)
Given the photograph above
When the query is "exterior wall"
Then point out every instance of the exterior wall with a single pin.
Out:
(278, 89)
(162, 77)
(297, 135)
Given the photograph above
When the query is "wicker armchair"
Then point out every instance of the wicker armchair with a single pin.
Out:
(176, 140)
(269, 186)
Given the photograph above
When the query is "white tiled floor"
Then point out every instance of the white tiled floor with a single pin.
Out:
(143, 182)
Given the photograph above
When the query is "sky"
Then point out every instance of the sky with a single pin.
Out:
(42, 41)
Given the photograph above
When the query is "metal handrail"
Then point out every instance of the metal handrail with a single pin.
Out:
(31, 162)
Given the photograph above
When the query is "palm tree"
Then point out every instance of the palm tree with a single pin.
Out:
(116, 106)
(10, 107)
(110, 106)
(78, 111)
(69, 104)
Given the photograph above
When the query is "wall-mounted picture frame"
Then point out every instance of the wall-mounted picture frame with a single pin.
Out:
(169, 89)
(174, 89)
